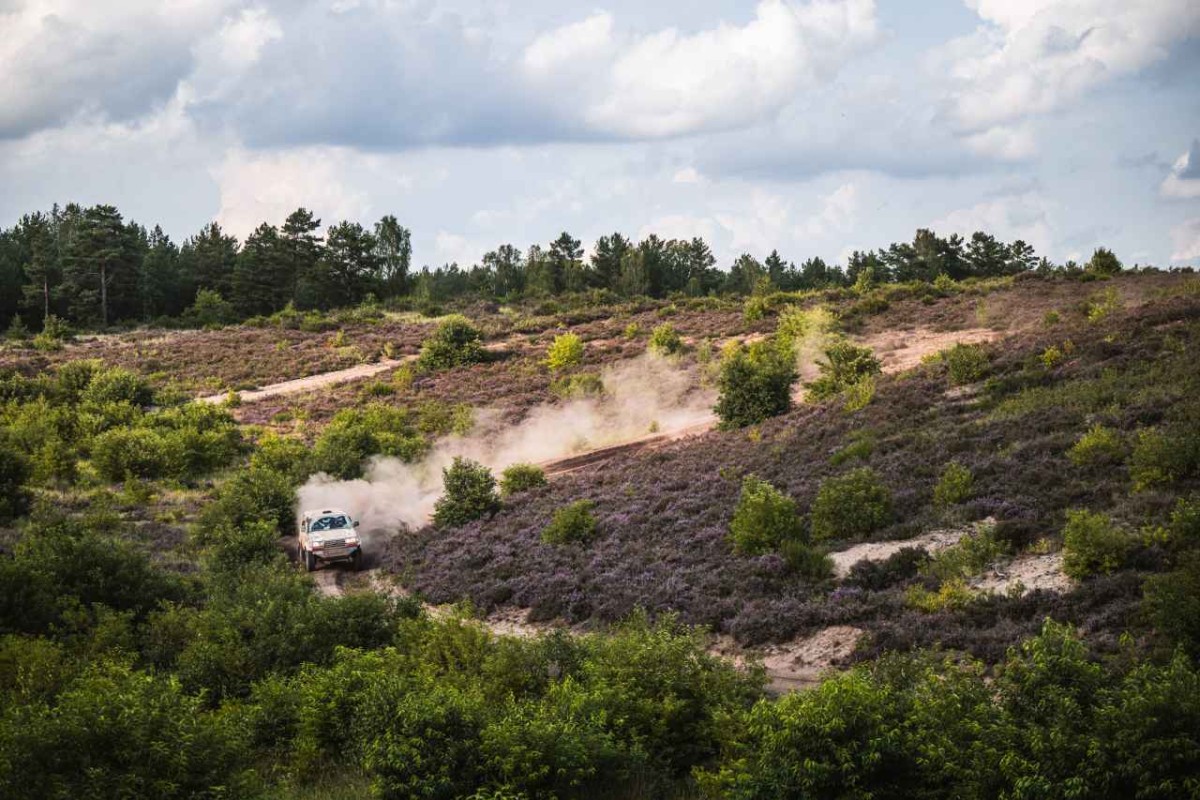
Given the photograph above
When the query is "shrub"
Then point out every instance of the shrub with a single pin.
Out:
(253, 495)
(852, 505)
(859, 395)
(954, 486)
(521, 478)
(953, 595)
(755, 383)
(763, 520)
(470, 493)
(1098, 445)
(1052, 357)
(632, 331)
(968, 557)
(284, 455)
(1051, 318)
(17, 330)
(1173, 603)
(129, 452)
(117, 386)
(566, 351)
(665, 340)
(1092, 544)
(572, 524)
(901, 566)
(581, 384)
(1101, 305)
(456, 342)
(15, 472)
(1164, 456)
(354, 434)
(845, 365)
(965, 363)
(1104, 262)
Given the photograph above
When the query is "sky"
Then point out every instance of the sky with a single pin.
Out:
(814, 127)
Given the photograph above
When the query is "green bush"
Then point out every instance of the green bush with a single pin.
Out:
(571, 524)
(1098, 445)
(209, 310)
(581, 384)
(15, 472)
(1173, 603)
(129, 452)
(470, 493)
(521, 478)
(254, 495)
(755, 383)
(955, 485)
(456, 342)
(1092, 544)
(1104, 262)
(117, 386)
(764, 519)
(354, 434)
(968, 557)
(965, 363)
(665, 340)
(566, 351)
(844, 365)
(1163, 456)
(850, 506)
(287, 456)
(114, 732)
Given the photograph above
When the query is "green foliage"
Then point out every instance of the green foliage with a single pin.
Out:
(129, 452)
(1102, 305)
(113, 732)
(519, 478)
(15, 472)
(1164, 455)
(1173, 603)
(581, 384)
(845, 365)
(852, 505)
(572, 524)
(764, 519)
(210, 310)
(859, 395)
(1104, 262)
(860, 447)
(632, 331)
(968, 557)
(116, 385)
(665, 340)
(354, 434)
(965, 363)
(755, 383)
(955, 485)
(256, 494)
(566, 351)
(1098, 445)
(455, 343)
(284, 455)
(1092, 544)
(470, 493)
(952, 595)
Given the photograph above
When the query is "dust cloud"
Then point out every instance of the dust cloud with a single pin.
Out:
(642, 396)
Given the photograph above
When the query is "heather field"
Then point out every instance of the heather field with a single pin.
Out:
(663, 516)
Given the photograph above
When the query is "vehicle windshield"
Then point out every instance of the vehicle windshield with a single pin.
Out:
(330, 523)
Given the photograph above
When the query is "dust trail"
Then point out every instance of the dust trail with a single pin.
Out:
(641, 396)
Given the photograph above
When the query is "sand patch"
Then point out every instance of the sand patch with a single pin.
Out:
(898, 351)
(1028, 572)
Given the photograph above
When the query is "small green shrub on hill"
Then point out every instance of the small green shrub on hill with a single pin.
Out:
(955, 485)
(965, 363)
(845, 365)
(566, 351)
(470, 493)
(755, 383)
(572, 524)
(665, 340)
(1098, 445)
(456, 342)
(521, 478)
(851, 506)
(763, 520)
(1092, 544)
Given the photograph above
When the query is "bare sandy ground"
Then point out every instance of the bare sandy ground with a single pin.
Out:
(902, 350)
(1027, 573)
(933, 542)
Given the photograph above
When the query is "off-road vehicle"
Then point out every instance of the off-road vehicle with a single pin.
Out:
(329, 535)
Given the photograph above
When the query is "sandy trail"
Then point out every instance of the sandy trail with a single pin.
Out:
(898, 351)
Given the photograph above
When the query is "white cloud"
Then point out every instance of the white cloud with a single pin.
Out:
(687, 175)
(1008, 143)
(452, 248)
(63, 59)
(1184, 179)
(837, 213)
(680, 226)
(1024, 216)
(257, 187)
(668, 83)
(761, 227)
(1185, 241)
(1030, 57)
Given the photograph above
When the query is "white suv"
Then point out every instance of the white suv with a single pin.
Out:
(329, 535)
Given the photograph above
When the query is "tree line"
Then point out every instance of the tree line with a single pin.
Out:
(92, 268)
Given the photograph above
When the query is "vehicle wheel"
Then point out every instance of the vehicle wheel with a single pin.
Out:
(356, 560)
(310, 561)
